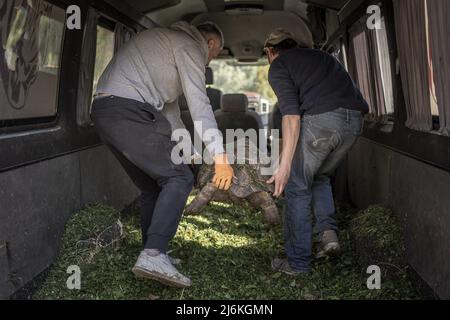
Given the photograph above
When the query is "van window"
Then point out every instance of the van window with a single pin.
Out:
(104, 53)
(384, 60)
(339, 52)
(246, 79)
(344, 58)
(98, 50)
(30, 58)
(371, 68)
(438, 26)
(432, 86)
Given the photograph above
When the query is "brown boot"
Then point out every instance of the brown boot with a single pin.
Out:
(329, 245)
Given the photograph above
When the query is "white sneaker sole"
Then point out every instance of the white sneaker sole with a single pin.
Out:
(162, 278)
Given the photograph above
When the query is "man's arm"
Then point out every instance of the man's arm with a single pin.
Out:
(287, 94)
(191, 68)
(291, 134)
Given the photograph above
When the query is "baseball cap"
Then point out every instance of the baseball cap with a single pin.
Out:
(277, 36)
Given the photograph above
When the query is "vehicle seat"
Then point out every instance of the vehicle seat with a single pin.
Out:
(214, 95)
(234, 114)
(189, 124)
(186, 116)
(275, 120)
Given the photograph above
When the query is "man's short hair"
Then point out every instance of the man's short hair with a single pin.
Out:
(209, 27)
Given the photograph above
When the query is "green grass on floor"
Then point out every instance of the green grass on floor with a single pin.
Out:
(226, 252)
(378, 238)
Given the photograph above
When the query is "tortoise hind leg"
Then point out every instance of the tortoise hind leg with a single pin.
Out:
(201, 200)
(262, 200)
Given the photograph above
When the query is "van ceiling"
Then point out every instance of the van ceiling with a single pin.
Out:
(146, 6)
(268, 5)
(256, 17)
(329, 4)
(245, 34)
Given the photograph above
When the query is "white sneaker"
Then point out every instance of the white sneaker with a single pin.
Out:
(160, 268)
(174, 261)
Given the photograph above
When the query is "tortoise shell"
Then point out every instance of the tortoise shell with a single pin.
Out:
(248, 178)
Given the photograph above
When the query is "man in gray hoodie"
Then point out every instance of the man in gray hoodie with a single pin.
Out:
(135, 112)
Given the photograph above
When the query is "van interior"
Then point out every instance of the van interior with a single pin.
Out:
(53, 164)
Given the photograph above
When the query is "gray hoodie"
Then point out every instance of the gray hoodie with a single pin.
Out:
(159, 65)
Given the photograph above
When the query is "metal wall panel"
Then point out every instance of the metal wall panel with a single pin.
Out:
(419, 194)
(37, 200)
(104, 180)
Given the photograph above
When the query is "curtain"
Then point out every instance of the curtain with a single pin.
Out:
(380, 113)
(360, 66)
(439, 23)
(87, 66)
(343, 54)
(385, 69)
(121, 35)
(412, 51)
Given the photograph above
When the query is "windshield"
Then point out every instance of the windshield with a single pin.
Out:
(251, 80)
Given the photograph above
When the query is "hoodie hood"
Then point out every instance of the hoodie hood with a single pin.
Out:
(192, 32)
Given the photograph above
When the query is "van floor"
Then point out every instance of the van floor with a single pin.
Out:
(226, 251)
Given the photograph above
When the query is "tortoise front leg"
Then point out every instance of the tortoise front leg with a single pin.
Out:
(201, 200)
(262, 200)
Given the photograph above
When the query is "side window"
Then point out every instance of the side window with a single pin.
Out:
(422, 29)
(370, 66)
(385, 71)
(104, 53)
(431, 77)
(31, 36)
(338, 51)
(360, 67)
(101, 38)
(344, 56)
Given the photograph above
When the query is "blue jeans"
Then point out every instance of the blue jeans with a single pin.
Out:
(325, 140)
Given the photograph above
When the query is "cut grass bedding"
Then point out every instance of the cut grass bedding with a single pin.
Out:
(226, 252)
(378, 240)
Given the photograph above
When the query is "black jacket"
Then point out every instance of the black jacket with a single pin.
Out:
(308, 81)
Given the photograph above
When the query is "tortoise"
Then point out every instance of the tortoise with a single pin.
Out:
(248, 186)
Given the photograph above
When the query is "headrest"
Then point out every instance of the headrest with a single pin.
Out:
(234, 103)
(209, 76)
(182, 103)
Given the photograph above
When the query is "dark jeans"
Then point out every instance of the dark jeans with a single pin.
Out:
(140, 138)
(324, 142)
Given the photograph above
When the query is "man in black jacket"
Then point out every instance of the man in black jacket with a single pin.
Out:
(322, 113)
